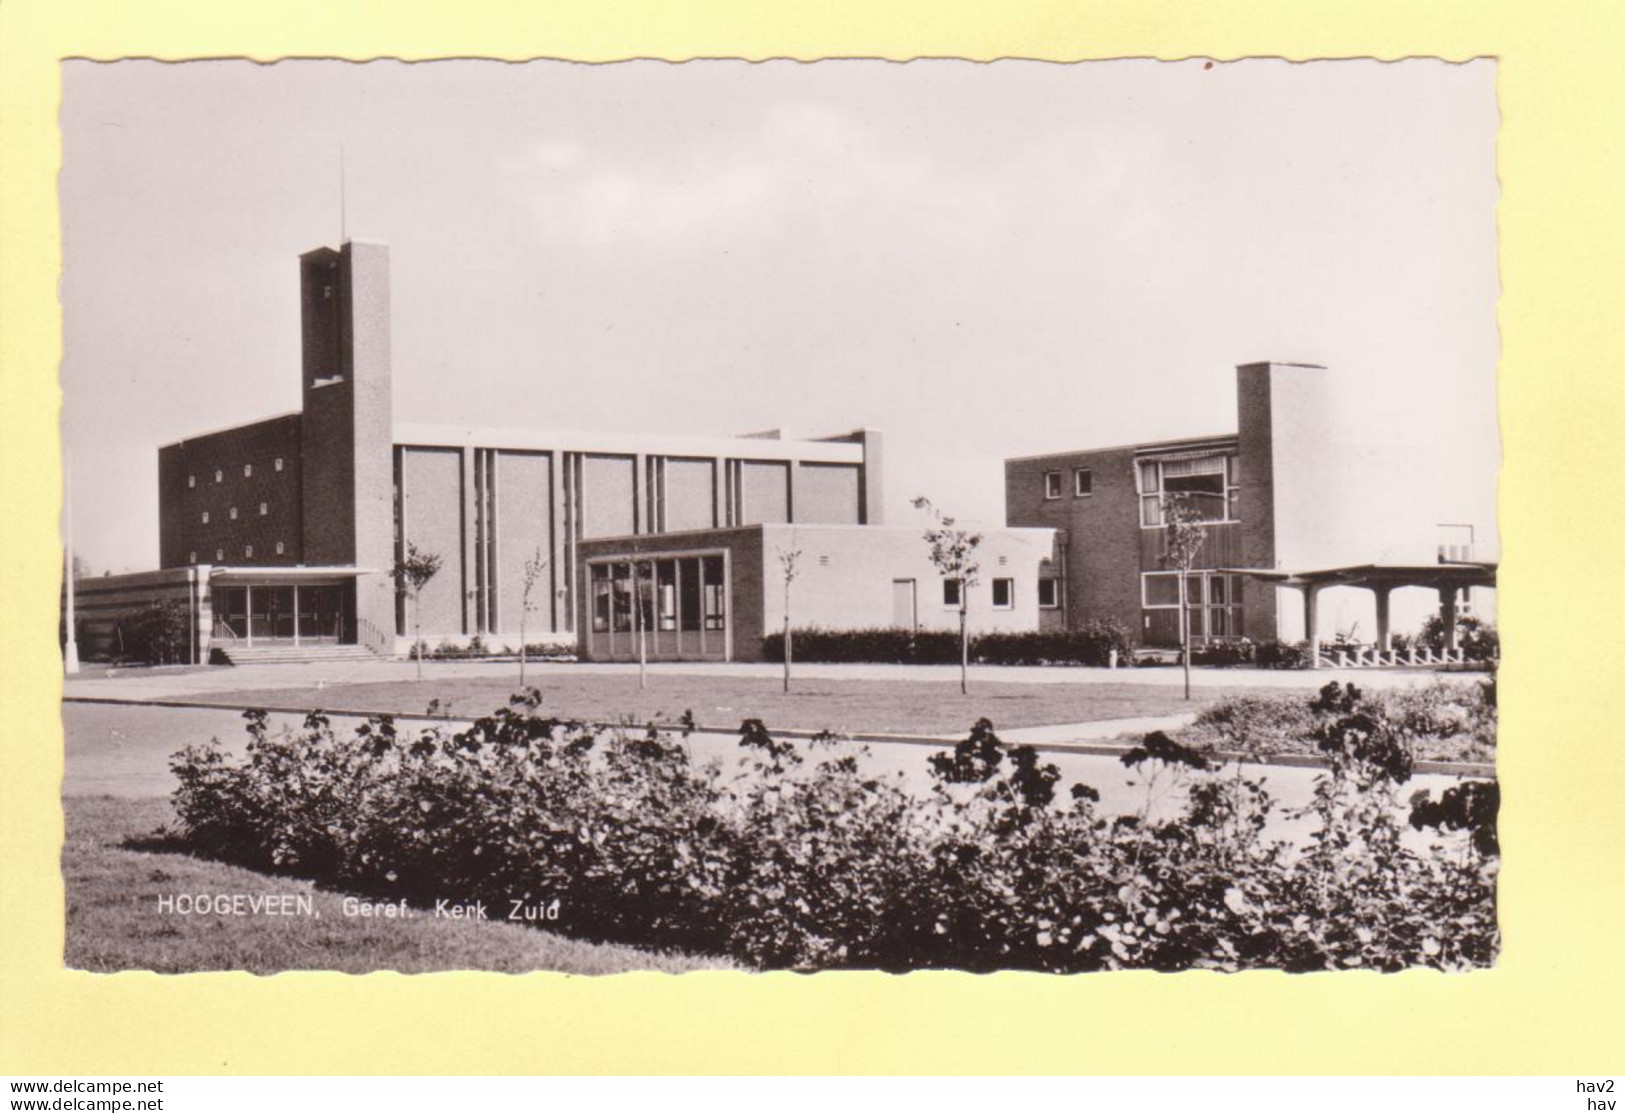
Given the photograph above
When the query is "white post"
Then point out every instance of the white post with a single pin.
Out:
(70, 646)
(248, 613)
(1385, 641)
(296, 616)
(1447, 608)
(1311, 629)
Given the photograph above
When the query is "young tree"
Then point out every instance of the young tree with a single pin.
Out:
(787, 569)
(535, 566)
(953, 551)
(641, 616)
(1182, 538)
(412, 573)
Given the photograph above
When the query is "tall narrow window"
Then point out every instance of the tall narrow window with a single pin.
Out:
(248, 551)
(191, 481)
(248, 471)
(1004, 594)
(1083, 482)
(621, 598)
(264, 509)
(233, 513)
(666, 594)
(600, 597)
(205, 517)
(219, 476)
(279, 548)
(950, 593)
(714, 594)
(1052, 485)
(279, 463)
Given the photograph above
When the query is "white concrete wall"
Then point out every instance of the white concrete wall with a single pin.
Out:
(845, 577)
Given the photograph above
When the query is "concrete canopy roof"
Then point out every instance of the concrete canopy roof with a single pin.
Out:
(284, 574)
(1443, 574)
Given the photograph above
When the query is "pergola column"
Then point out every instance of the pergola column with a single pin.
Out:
(1385, 641)
(1311, 627)
(1447, 612)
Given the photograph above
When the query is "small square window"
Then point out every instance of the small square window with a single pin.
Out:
(219, 476)
(1004, 594)
(279, 463)
(248, 550)
(1049, 592)
(1083, 482)
(279, 548)
(248, 470)
(191, 481)
(265, 509)
(233, 513)
(1052, 484)
(950, 593)
(205, 517)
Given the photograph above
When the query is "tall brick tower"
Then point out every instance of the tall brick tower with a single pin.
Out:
(347, 426)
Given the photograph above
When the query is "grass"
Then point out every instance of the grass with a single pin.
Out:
(115, 870)
(847, 706)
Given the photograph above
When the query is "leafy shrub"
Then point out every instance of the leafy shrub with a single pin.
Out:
(1091, 644)
(1255, 725)
(478, 650)
(799, 857)
(1478, 639)
(1225, 654)
(1438, 721)
(157, 633)
(1282, 655)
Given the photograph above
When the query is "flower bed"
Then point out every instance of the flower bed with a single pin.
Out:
(796, 857)
(1440, 721)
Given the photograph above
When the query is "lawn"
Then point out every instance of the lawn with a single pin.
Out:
(115, 872)
(845, 706)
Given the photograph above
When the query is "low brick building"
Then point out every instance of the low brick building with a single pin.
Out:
(1297, 486)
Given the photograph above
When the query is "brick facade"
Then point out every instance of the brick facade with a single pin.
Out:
(245, 459)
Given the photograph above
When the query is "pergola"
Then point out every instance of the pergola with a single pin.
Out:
(1446, 577)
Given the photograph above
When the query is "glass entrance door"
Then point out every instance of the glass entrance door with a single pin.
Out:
(321, 613)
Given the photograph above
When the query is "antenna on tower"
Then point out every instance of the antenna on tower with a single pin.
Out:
(341, 195)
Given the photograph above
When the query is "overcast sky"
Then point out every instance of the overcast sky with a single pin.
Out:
(980, 260)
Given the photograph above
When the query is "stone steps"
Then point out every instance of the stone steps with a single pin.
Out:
(290, 654)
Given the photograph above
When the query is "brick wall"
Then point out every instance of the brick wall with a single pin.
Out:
(246, 460)
(1103, 537)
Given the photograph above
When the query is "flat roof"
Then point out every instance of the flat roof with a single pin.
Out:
(1212, 441)
(284, 573)
(1443, 574)
(622, 444)
(811, 528)
(233, 428)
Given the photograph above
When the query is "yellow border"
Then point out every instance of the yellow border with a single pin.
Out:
(1555, 1003)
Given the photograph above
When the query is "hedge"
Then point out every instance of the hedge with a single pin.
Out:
(1089, 645)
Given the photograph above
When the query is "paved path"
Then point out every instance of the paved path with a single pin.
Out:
(124, 750)
(179, 682)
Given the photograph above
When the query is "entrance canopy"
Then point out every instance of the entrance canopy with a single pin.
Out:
(227, 575)
(275, 605)
(1446, 574)
(1446, 577)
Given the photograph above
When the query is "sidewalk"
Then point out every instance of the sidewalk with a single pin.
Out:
(180, 682)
